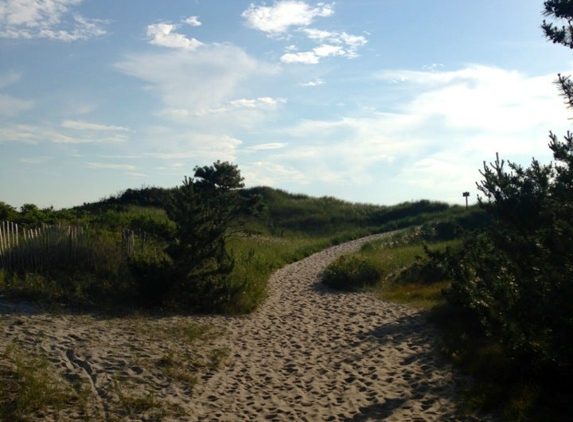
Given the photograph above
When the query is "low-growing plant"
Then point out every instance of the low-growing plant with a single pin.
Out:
(352, 273)
(28, 386)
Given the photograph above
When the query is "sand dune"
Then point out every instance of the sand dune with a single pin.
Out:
(308, 354)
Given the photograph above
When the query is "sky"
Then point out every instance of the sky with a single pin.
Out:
(369, 101)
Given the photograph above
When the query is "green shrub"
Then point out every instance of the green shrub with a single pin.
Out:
(352, 273)
(153, 280)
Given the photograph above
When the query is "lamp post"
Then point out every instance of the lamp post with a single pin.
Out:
(466, 195)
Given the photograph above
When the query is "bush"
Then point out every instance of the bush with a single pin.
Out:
(352, 273)
(514, 278)
(153, 280)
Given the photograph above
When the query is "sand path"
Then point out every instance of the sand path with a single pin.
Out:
(308, 354)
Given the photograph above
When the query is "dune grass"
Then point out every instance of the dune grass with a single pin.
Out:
(28, 387)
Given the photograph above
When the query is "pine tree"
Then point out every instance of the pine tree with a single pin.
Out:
(560, 10)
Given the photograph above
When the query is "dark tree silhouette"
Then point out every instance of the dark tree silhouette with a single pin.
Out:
(560, 11)
(207, 209)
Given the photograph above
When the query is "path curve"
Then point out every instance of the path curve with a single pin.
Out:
(313, 354)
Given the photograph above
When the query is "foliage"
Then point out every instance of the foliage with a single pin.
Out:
(512, 281)
(206, 210)
(28, 387)
(352, 273)
(288, 228)
(402, 273)
(90, 269)
(7, 212)
(560, 10)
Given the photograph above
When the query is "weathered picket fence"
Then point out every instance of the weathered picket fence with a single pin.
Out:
(50, 245)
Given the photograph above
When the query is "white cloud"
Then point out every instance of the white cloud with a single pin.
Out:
(52, 19)
(351, 42)
(271, 174)
(10, 106)
(326, 50)
(308, 57)
(174, 113)
(38, 134)
(315, 82)
(314, 56)
(188, 82)
(261, 102)
(183, 144)
(447, 124)
(193, 21)
(80, 125)
(332, 44)
(268, 146)
(163, 35)
(109, 166)
(35, 160)
(284, 14)
(483, 98)
(9, 79)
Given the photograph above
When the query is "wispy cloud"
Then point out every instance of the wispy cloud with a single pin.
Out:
(164, 35)
(190, 81)
(331, 44)
(347, 44)
(9, 79)
(193, 21)
(315, 82)
(482, 98)
(261, 103)
(51, 19)
(283, 15)
(268, 146)
(109, 166)
(258, 102)
(261, 173)
(38, 134)
(314, 56)
(35, 160)
(180, 145)
(447, 124)
(11, 106)
(80, 125)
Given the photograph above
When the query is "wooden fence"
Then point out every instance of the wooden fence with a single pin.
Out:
(51, 245)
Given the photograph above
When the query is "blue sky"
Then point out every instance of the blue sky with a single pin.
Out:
(376, 101)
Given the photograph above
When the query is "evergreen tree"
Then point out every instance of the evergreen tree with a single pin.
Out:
(560, 10)
(207, 209)
(515, 279)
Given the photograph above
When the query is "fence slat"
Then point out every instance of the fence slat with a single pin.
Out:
(39, 248)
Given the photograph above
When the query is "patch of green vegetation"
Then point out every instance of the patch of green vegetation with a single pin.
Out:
(28, 387)
(395, 269)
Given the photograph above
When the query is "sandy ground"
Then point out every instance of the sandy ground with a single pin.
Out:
(308, 354)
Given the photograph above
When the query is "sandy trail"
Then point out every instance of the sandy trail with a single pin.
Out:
(308, 354)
